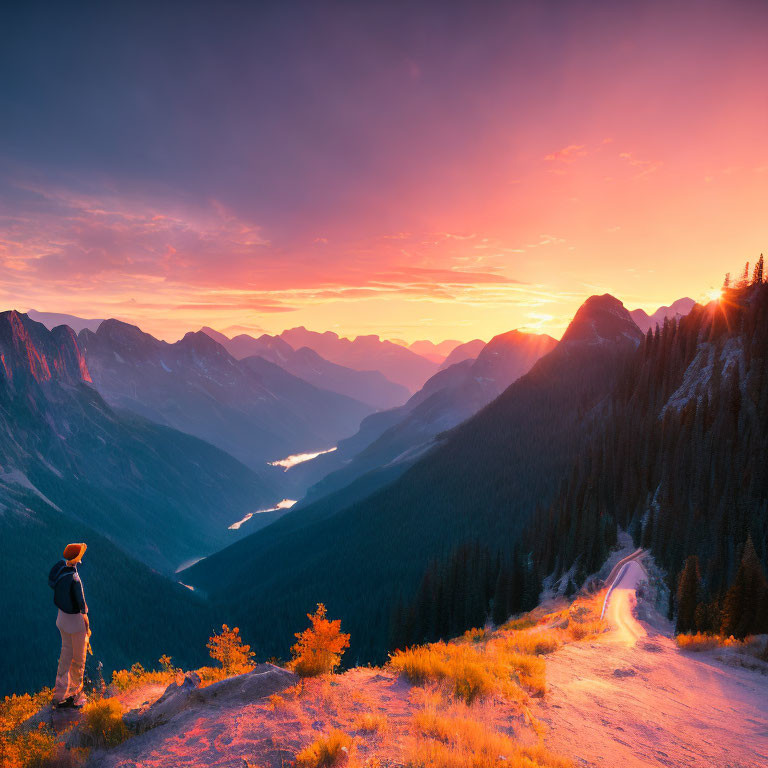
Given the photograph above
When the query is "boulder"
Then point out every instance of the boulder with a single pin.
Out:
(260, 682)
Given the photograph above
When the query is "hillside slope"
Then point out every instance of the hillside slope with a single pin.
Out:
(679, 462)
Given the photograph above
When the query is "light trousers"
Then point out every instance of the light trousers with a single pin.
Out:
(69, 676)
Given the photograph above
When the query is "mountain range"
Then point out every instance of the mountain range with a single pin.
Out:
(53, 319)
(252, 408)
(366, 353)
(434, 352)
(370, 387)
(675, 311)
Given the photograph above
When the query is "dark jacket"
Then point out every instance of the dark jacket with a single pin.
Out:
(67, 588)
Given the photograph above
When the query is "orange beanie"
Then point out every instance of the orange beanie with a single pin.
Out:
(73, 553)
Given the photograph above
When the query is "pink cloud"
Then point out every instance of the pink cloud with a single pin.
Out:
(567, 154)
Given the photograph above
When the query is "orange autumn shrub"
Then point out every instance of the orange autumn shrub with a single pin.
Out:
(320, 647)
(228, 649)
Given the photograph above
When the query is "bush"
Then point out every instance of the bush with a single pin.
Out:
(229, 650)
(102, 724)
(320, 647)
(326, 751)
(31, 749)
(38, 748)
(14, 710)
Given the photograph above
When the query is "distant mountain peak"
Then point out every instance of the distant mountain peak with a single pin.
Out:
(677, 309)
(201, 342)
(215, 335)
(601, 320)
(28, 348)
(123, 332)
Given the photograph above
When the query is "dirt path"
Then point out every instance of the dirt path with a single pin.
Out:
(632, 699)
(619, 611)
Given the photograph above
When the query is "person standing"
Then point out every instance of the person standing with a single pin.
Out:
(73, 624)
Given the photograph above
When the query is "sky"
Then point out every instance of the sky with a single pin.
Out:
(413, 170)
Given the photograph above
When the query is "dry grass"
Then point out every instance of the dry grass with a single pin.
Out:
(102, 724)
(521, 622)
(534, 642)
(583, 630)
(325, 751)
(457, 740)
(467, 670)
(699, 642)
(754, 645)
(530, 671)
(127, 679)
(371, 722)
(474, 635)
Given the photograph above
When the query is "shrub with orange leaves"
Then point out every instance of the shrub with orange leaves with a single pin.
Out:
(228, 649)
(35, 748)
(320, 647)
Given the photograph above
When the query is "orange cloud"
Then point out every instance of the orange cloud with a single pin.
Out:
(567, 154)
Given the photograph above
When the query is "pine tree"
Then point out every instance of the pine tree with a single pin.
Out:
(757, 274)
(744, 282)
(744, 602)
(688, 595)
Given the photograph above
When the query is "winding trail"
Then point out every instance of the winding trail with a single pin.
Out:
(632, 699)
(620, 603)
